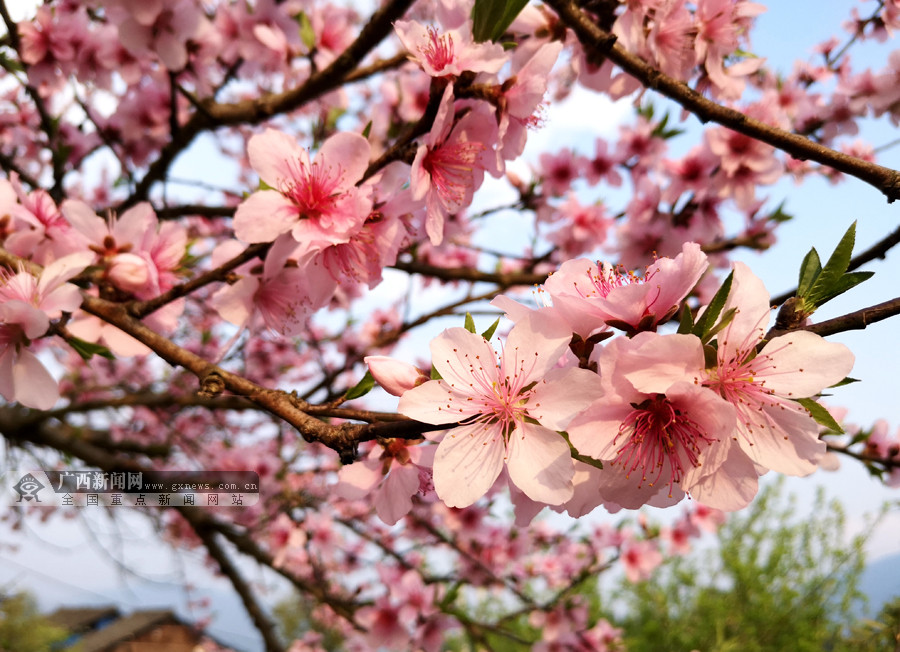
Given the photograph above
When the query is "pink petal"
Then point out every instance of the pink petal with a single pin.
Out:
(467, 462)
(804, 364)
(357, 480)
(458, 355)
(395, 376)
(85, 220)
(264, 216)
(33, 384)
(731, 487)
(540, 464)
(349, 152)
(393, 499)
(271, 154)
(435, 402)
(658, 361)
(782, 438)
(562, 394)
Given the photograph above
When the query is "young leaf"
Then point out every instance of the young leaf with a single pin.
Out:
(846, 282)
(810, 269)
(470, 323)
(686, 325)
(491, 18)
(820, 414)
(489, 333)
(361, 388)
(834, 269)
(706, 322)
(88, 350)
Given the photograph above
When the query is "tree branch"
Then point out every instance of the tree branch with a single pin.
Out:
(599, 43)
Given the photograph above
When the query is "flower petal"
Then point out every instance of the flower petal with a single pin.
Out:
(467, 462)
(540, 464)
(803, 364)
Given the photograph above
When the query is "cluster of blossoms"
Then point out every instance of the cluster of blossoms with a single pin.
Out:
(650, 417)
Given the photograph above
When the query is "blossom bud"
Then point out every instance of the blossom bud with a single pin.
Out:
(129, 272)
(394, 376)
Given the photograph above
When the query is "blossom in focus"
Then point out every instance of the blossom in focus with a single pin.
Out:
(449, 53)
(658, 431)
(590, 296)
(509, 409)
(316, 201)
(773, 429)
(450, 164)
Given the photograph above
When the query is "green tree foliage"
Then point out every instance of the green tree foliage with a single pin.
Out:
(23, 629)
(774, 582)
(881, 634)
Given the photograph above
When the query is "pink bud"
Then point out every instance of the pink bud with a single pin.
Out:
(394, 376)
(129, 272)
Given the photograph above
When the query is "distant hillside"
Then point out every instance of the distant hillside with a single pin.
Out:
(880, 581)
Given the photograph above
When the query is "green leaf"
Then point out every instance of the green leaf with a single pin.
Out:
(489, 333)
(264, 186)
(88, 350)
(686, 325)
(779, 215)
(597, 464)
(818, 412)
(834, 269)
(847, 381)
(810, 269)
(361, 388)
(307, 33)
(708, 319)
(847, 282)
(435, 374)
(470, 323)
(367, 130)
(726, 319)
(491, 18)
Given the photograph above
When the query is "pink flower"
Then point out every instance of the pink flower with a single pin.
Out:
(451, 53)
(317, 202)
(510, 409)
(27, 307)
(282, 296)
(449, 164)
(590, 295)
(394, 473)
(774, 430)
(656, 427)
(640, 559)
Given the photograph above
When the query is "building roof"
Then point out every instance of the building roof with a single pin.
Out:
(125, 628)
(99, 629)
(80, 619)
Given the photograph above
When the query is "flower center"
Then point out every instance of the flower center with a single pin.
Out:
(451, 167)
(312, 188)
(660, 440)
(439, 50)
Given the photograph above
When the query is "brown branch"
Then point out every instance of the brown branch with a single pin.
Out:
(504, 280)
(264, 624)
(142, 308)
(857, 320)
(599, 43)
